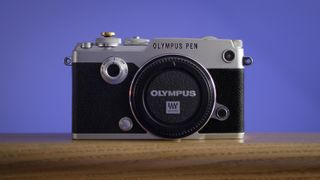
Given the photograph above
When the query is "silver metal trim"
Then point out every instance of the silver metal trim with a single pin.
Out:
(123, 136)
(208, 53)
(134, 77)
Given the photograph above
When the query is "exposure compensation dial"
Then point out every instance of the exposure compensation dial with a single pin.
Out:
(114, 70)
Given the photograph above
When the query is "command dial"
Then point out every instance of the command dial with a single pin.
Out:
(114, 70)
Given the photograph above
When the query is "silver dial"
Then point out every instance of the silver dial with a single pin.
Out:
(114, 70)
(136, 41)
(108, 39)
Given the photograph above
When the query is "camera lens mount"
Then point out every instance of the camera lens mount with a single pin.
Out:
(172, 96)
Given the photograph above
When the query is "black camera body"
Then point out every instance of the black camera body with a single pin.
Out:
(167, 88)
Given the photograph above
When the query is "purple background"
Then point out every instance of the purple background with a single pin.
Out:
(282, 87)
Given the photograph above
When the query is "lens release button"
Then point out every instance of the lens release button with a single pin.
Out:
(221, 112)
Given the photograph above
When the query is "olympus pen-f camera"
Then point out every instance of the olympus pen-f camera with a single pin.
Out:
(167, 88)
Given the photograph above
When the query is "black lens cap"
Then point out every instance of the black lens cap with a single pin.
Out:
(172, 96)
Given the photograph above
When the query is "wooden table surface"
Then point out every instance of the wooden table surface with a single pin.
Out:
(258, 156)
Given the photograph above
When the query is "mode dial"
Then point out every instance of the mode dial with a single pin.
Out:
(108, 39)
(136, 41)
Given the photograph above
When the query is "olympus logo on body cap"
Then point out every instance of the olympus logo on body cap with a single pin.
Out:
(185, 93)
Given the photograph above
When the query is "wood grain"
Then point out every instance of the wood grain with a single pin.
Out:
(256, 158)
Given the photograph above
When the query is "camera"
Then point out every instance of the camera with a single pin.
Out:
(165, 88)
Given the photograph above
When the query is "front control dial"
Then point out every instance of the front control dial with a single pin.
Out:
(114, 70)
